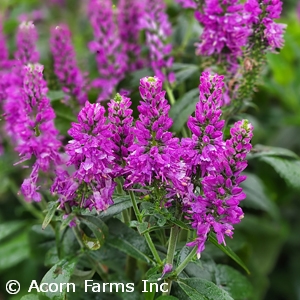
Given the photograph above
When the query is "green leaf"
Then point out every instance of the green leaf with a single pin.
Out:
(9, 228)
(14, 251)
(188, 71)
(30, 297)
(201, 289)
(233, 282)
(228, 251)
(167, 298)
(120, 204)
(97, 226)
(127, 240)
(79, 276)
(288, 169)
(59, 274)
(184, 252)
(183, 108)
(56, 95)
(261, 150)
(52, 206)
(257, 197)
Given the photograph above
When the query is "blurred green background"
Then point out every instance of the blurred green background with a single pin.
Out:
(268, 239)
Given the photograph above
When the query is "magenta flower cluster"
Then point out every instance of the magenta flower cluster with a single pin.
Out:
(201, 173)
(117, 46)
(30, 118)
(158, 29)
(228, 25)
(109, 50)
(65, 66)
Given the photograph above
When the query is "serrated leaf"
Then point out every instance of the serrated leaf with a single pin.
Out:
(183, 108)
(59, 274)
(52, 206)
(127, 240)
(201, 289)
(227, 250)
(261, 150)
(288, 169)
(233, 282)
(256, 196)
(98, 228)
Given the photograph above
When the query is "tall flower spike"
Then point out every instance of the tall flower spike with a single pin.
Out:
(65, 65)
(26, 44)
(130, 12)
(110, 52)
(91, 153)
(218, 208)
(225, 30)
(155, 155)
(206, 126)
(158, 29)
(30, 117)
(120, 117)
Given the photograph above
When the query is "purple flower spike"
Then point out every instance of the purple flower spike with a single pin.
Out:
(155, 155)
(120, 117)
(226, 30)
(65, 65)
(110, 52)
(158, 29)
(130, 12)
(206, 126)
(26, 44)
(30, 121)
(218, 208)
(91, 153)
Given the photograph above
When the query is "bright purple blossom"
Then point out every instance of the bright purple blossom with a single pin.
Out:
(218, 208)
(130, 12)
(65, 65)
(264, 14)
(108, 47)
(225, 30)
(91, 153)
(26, 44)
(158, 29)
(120, 117)
(206, 127)
(30, 121)
(155, 154)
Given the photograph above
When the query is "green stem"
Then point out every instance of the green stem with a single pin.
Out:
(170, 254)
(170, 93)
(181, 267)
(146, 235)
